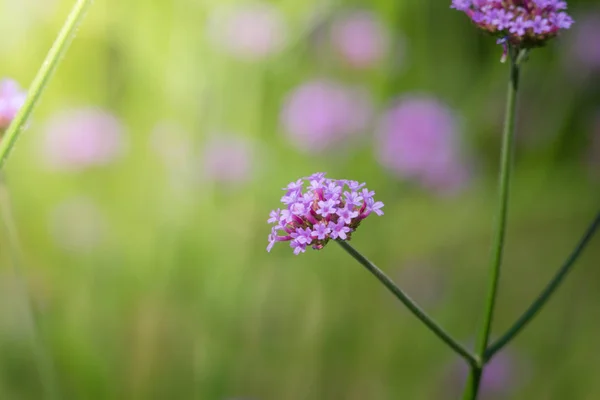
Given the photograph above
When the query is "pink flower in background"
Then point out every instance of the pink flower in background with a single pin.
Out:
(501, 377)
(320, 114)
(11, 101)
(418, 139)
(77, 225)
(229, 160)
(360, 38)
(252, 31)
(78, 139)
(585, 46)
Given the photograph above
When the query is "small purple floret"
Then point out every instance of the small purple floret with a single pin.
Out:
(321, 231)
(274, 216)
(339, 230)
(461, 5)
(540, 25)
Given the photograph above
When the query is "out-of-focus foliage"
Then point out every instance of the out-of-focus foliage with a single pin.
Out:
(143, 183)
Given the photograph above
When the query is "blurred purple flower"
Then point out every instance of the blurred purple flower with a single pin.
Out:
(501, 377)
(585, 45)
(228, 160)
(11, 100)
(77, 225)
(360, 38)
(83, 138)
(418, 139)
(252, 32)
(320, 114)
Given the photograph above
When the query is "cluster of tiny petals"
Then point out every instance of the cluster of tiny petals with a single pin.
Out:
(317, 209)
(526, 23)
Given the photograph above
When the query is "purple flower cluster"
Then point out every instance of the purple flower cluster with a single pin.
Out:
(524, 23)
(324, 211)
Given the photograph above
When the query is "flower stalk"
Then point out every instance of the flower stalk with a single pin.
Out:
(548, 291)
(506, 161)
(411, 305)
(45, 73)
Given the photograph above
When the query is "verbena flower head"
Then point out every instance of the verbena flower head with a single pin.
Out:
(317, 209)
(522, 23)
(11, 100)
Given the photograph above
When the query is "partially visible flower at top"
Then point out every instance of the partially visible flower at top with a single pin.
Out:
(228, 160)
(326, 209)
(360, 38)
(11, 101)
(418, 139)
(523, 23)
(321, 114)
(83, 138)
(77, 225)
(252, 32)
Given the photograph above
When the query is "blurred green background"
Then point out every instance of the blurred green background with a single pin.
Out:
(149, 274)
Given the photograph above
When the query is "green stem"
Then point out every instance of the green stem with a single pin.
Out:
(508, 135)
(44, 363)
(43, 76)
(545, 295)
(410, 304)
